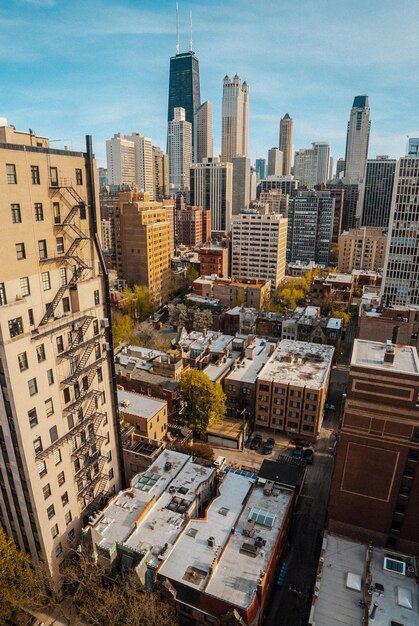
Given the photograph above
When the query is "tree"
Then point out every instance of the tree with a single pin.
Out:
(122, 329)
(148, 337)
(18, 580)
(341, 314)
(178, 314)
(137, 302)
(191, 275)
(204, 401)
(202, 319)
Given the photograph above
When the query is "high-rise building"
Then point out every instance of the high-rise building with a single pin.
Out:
(235, 118)
(203, 141)
(179, 149)
(275, 162)
(130, 160)
(184, 86)
(287, 184)
(362, 249)
(350, 200)
(310, 226)
(375, 191)
(276, 200)
(261, 168)
(160, 173)
(193, 226)
(142, 233)
(285, 143)
(312, 165)
(340, 168)
(212, 188)
(401, 271)
(323, 163)
(241, 183)
(357, 138)
(253, 184)
(108, 197)
(413, 147)
(102, 176)
(259, 244)
(59, 430)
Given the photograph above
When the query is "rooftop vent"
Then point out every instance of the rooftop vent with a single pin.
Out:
(249, 549)
(249, 528)
(167, 466)
(389, 353)
(211, 542)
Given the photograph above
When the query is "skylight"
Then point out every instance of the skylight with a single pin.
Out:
(260, 516)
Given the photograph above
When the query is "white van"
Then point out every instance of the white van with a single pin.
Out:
(220, 462)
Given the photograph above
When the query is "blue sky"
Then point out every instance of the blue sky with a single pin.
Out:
(75, 67)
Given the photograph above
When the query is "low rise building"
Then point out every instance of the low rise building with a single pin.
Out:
(232, 292)
(213, 259)
(149, 415)
(193, 225)
(336, 287)
(292, 388)
(399, 324)
(269, 324)
(241, 320)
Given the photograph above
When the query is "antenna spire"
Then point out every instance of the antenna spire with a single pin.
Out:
(177, 28)
(190, 31)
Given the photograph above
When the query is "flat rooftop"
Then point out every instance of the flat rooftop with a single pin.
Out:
(138, 404)
(299, 363)
(337, 603)
(247, 369)
(370, 354)
(339, 278)
(215, 371)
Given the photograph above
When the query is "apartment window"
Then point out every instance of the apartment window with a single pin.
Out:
(16, 214)
(66, 305)
(307, 428)
(53, 174)
(76, 388)
(61, 479)
(22, 359)
(294, 404)
(110, 474)
(36, 180)
(60, 245)
(103, 397)
(15, 327)
(40, 353)
(24, 286)
(67, 395)
(11, 174)
(20, 251)
(49, 407)
(70, 421)
(57, 212)
(60, 344)
(294, 393)
(311, 396)
(59, 549)
(79, 177)
(32, 386)
(42, 248)
(72, 532)
(42, 469)
(30, 317)
(63, 276)
(68, 517)
(50, 377)
(54, 531)
(79, 485)
(292, 425)
(263, 387)
(99, 375)
(46, 281)
(37, 445)
(51, 511)
(82, 211)
(96, 296)
(33, 418)
(39, 212)
(64, 499)
(95, 327)
(3, 299)
(46, 491)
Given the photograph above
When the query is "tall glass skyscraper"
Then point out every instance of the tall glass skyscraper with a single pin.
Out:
(184, 86)
(357, 138)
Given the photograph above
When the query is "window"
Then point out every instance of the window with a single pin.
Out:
(292, 425)
(68, 517)
(42, 469)
(49, 407)
(72, 532)
(61, 479)
(53, 433)
(42, 248)
(394, 565)
(32, 386)
(307, 428)
(63, 276)
(79, 177)
(46, 491)
(67, 396)
(46, 281)
(60, 343)
(24, 286)
(54, 531)
(60, 245)
(33, 418)
(82, 211)
(16, 215)
(57, 457)
(22, 359)
(66, 305)
(50, 377)
(95, 327)
(100, 375)
(3, 299)
(53, 174)
(64, 499)
(110, 474)
(58, 549)
(51, 511)
(30, 317)
(40, 353)
(35, 175)
(37, 445)
(57, 212)
(20, 251)
(70, 421)
(263, 387)
(16, 327)
(76, 388)
(11, 174)
(96, 296)
(39, 212)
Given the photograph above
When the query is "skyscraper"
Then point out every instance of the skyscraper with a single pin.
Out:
(261, 168)
(160, 173)
(350, 200)
(184, 86)
(203, 141)
(413, 147)
(357, 138)
(235, 118)
(130, 160)
(322, 150)
(285, 143)
(310, 226)
(375, 191)
(340, 168)
(311, 165)
(241, 183)
(179, 148)
(400, 284)
(275, 162)
(212, 188)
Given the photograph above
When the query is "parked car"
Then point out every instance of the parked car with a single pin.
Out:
(309, 456)
(297, 454)
(300, 443)
(256, 442)
(330, 407)
(268, 446)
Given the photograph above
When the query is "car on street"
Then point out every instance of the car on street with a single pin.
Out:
(256, 442)
(297, 454)
(308, 456)
(330, 407)
(300, 443)
(268, 446)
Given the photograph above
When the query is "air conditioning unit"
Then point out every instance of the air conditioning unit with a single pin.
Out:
(75, 326)
(104, 323)
(107, 346)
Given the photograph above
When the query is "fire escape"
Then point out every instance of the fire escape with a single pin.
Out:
(83, 412)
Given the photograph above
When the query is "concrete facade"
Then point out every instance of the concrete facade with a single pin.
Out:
(362, 248)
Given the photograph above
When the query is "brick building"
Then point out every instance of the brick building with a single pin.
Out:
(213, 259)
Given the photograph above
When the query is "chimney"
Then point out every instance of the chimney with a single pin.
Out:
(374, 610)
(389, 353)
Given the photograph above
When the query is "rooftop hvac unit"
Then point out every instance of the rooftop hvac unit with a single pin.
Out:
(268, 488)
(249, 528)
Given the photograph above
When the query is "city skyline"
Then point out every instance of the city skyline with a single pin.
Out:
(68, 91)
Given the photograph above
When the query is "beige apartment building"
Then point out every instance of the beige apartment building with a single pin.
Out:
(59, 452)
(147, 414)
(143, 242)
(362, 249)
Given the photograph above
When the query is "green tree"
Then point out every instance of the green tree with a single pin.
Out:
(137, 302)
(204, 401)
(341, 314)
(191, 275)
(122, 329)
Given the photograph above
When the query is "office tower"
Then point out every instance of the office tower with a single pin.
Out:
(350, 200)
(375, 191)
(413, 147)
(179, 149)
(275, 162)
(276, 200)
(235, 118)
(285, 143)
(184, 87)
(401, 271)
(340, 168)
(102, 176)
(253, 184)
(160, 173)
(357, 138)
(59, 430)
(310, 226)
(259, 244)
(330, 172)
(287, 184)
(193, 226)
(261, 168)
(322, 151)
(241, 183)
(311, 165)
(130, 160)
(375, 485)
(362, 249)
(212, 188)
(203, 142)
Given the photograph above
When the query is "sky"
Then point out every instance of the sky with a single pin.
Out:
(74, 67)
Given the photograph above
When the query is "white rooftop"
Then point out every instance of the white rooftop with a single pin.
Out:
(215, 371)
(247, 369)
(334, 323)
(138, 404)
(333, 277)
(299, 363)
(371, 354)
